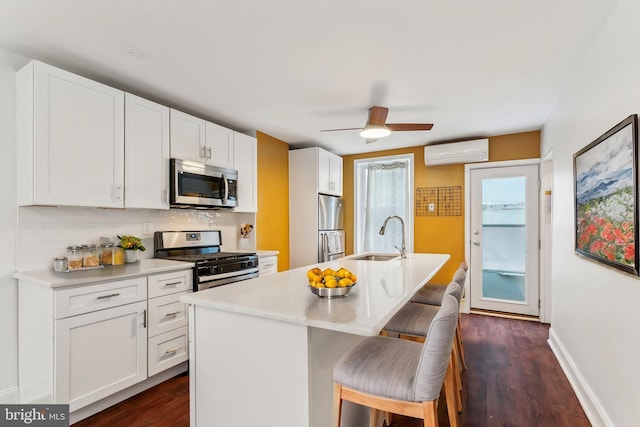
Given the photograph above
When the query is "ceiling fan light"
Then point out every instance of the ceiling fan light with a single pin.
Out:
(374, 132)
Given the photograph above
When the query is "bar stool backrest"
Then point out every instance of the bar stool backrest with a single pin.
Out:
(436, 351)
(454, 289)
(459, 276)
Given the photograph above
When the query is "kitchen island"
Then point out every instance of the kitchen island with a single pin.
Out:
(262, 351)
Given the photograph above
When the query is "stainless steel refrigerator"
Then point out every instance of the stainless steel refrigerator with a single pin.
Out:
(330, 228)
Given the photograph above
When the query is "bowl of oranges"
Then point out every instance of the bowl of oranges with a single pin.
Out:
(331, 283)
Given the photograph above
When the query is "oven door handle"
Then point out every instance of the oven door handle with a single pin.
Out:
(225, 275)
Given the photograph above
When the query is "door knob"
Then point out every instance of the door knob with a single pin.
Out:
(476, 242)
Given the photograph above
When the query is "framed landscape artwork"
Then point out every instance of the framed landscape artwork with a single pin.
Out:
(606, 204)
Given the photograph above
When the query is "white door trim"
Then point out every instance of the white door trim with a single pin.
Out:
(546, 225)
(466, 303)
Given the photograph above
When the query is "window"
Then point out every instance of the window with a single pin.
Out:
(384, 187)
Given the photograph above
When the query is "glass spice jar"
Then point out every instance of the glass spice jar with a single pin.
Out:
(90, 256)
(74, 257)
(60, 264)
(106, 253)
(118, 255)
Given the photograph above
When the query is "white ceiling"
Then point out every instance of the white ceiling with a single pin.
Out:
(290, 68)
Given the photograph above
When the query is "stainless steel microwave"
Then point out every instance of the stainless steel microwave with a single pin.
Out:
(201, 186)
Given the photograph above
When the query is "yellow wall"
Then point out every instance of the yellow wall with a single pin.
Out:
(431, 233)
(272, 219)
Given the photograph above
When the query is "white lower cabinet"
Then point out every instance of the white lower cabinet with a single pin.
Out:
(166, 313)
(168, 349)
(168, 320)
(100, 353)
(268, 265)
(84, 343)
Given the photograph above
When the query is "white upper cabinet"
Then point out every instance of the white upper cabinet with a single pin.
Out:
(70, 139)
(219, 142)
(187, 137)
(329, 173)
(195, 139)
(146, 154)
(246, 163)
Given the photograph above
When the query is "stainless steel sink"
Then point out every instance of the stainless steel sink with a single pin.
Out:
(374, 257)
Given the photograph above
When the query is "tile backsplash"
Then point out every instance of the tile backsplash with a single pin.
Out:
(44, 232)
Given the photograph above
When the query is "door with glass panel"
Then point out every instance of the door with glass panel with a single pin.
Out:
(504, 239)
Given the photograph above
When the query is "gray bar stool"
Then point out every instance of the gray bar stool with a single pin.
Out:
(413, 321)
(432, 293)
(399, 376)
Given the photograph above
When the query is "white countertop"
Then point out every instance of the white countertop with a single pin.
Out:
(143, 267)
(265, 253)
(382, 288)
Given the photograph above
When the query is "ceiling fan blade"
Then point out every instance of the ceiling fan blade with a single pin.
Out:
(370, 140)
(409, 126)
(377, 115)
(334, 130)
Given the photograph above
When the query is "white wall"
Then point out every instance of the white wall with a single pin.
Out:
(9, 64)
(595, 316)
(32, 236)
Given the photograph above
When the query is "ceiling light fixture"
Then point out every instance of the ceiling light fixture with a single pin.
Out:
(375, 131)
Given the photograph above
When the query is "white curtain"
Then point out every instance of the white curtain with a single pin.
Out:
(386, 191)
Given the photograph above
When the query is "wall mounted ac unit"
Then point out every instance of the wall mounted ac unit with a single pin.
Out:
(473, 151)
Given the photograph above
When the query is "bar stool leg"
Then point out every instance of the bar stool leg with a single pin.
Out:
(450, 391)
(458, 343)
(337, 405)
(457, 380)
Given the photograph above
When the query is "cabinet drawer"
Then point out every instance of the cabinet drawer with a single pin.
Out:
(268, 265)
(167, 313)
(167, 350)
(170, 283)
(85, 299)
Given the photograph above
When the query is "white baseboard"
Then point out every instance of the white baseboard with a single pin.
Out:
(10, 396)
(590, 403)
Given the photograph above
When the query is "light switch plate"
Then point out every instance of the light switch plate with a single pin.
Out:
(147, 229)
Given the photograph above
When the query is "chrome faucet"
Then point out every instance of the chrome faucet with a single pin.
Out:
(403, 249)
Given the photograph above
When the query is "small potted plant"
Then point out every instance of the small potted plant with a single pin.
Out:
(131, 245)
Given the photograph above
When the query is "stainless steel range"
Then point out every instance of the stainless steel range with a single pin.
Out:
(213, 267)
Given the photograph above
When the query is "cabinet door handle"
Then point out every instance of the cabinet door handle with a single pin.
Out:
(144, 318)
(209, 153)
(172, 284)
(175, 313)
(172, 350)
(117, 192)
(108, 296)
(203, 152)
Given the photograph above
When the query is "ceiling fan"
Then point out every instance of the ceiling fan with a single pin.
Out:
(376, 126)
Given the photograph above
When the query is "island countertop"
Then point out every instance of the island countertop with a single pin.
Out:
(382, 288)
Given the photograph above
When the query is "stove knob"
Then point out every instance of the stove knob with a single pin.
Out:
(212, 269)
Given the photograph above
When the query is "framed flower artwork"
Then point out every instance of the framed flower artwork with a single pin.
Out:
(606, 197)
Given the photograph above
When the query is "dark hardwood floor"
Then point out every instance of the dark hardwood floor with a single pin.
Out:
(512, 379)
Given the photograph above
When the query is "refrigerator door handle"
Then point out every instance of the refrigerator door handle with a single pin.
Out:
(322, 256)
(325, 247)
